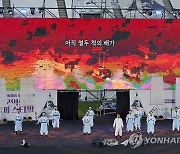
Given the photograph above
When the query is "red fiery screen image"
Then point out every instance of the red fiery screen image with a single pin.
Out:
(89, 53)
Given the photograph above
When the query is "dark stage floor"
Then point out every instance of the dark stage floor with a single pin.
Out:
(69, 138)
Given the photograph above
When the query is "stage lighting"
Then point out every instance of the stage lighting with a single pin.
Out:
(23, 11)
(150, 13)
(32, 10)
(144, 12)
(175, 13)
(158, 12)
(29, 118)
(161, 117)
(41, 10)
(10, 10)
(179, 12)
(85, 98)
(1, 10)
(5, 120)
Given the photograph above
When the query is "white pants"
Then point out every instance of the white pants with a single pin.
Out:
(55, 123)
(92, 120)
(44, 129)
(130, 126)
(18, 126)
(137, 123)
(150, 128)
(118, 131)
(87, 128)
(176, 124)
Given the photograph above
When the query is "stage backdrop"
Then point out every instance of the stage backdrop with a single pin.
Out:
(89, 53)
(42, 101)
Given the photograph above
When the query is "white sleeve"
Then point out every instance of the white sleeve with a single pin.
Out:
(22, 118)
(172, 114)
(39, 120)
(127, 119)
(93, 113)
(51, 114)
(114, 124)
(47, 121)
(122, 123)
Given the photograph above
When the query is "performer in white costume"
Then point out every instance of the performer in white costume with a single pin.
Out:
(130, 122)
(176, 119)
(86, 124)
(137, 118)
(55, 117)
(91, 116)
(150, 123)
(18, 120)
(44, 121)
(118, 125)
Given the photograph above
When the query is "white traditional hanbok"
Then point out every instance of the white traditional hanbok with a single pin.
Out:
(44, 121)
(91, 116)
(130, 122)
(150, 124)
(18, 122)
(118, 125)
(86, 124)
(137, 119)
(55, 118)
(176, 120)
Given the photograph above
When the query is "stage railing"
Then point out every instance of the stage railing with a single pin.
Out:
(89, 12)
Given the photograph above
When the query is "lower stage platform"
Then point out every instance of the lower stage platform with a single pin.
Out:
(69, 138)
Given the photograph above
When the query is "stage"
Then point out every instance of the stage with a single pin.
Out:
(69, 138)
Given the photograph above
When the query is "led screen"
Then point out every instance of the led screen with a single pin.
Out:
(89, 53)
